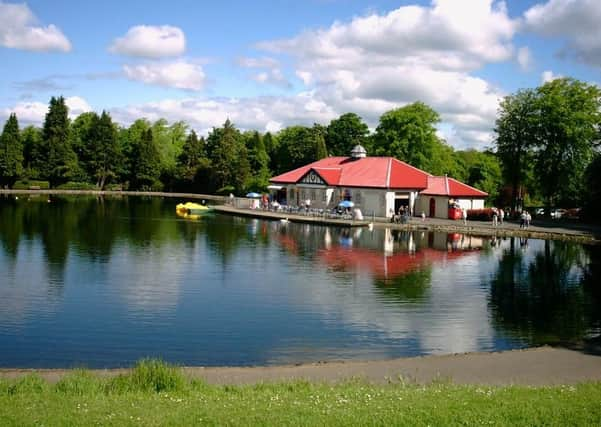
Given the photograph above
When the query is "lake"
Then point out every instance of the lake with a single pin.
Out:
(102, 282)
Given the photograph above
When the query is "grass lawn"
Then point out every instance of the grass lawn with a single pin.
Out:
(157, 394)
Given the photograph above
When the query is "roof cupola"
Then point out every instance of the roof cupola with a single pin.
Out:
(358, 152)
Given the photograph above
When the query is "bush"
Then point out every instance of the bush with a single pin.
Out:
(27, 184)
(224, 191)
(480, 214)
(77, 186)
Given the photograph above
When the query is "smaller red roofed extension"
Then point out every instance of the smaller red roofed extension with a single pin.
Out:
(445, 186)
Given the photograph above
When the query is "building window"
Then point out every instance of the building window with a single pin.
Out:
(313, 195)
(357, 197)
(325, 196)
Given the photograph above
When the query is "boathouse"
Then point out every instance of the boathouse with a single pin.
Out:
(376, 185)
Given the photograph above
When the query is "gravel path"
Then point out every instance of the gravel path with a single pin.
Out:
(535, 367)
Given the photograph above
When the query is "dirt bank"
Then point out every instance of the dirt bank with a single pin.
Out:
(537, 367)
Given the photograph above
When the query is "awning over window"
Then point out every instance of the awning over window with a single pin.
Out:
(274, 187)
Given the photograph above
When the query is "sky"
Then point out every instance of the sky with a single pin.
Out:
(266, 65)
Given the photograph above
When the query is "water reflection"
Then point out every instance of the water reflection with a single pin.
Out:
(541, 294)
(104, 281)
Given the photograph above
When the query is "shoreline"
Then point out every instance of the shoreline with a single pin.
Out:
(540, 366)
(548, 230)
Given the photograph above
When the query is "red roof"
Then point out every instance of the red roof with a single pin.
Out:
(375, 172)
(444, 186)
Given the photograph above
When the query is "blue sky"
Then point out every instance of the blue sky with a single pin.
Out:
(270, 64)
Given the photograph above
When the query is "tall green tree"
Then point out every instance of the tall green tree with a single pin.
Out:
(592, 199)
(61, 162)
(102, 150)
(258, 160)
(229, 158)
(81, 139)
(319, 132)
(11, 152)
(145, 162)
(568, 124)
(192, 155)
(344, 133)
(33, 151)
(409, 134)
(516, 138)
(548, 134)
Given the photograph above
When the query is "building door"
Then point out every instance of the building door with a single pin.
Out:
(432, 207)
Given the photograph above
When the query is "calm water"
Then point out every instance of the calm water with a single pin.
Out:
(104, 282)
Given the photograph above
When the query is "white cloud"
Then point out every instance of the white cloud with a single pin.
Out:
(27, 112)
(151, 42)
(34, 112)
(524, 58)
(576, 20)
(548, 76)
(77, 105)
(179, 74)
(378, 62)
(269, 113)
(263, 62)
(273, 73)
(18, 30)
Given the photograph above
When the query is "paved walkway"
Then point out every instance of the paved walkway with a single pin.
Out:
(538, 229)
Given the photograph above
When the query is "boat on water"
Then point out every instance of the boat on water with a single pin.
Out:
(190, 210)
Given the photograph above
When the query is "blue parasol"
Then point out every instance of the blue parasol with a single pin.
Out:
(253, 195)
(346, 204)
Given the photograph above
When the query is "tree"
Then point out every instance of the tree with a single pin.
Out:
(145, 162)
(319, 132)
(33, 151)
(297, 146)
(592, 202)
(128, 141)
(481, 170)
(569, 116)
(344, 133)
(549, 134)
(80, 136)
(102, 150)
(188, 162)
(229, 158)
(259, 161)
(11, 152)
(61, 163)
(409, 134)
(515, 127)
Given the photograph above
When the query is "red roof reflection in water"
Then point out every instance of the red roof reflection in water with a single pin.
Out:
(380, 265)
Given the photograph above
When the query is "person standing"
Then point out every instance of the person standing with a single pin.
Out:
(464, 215)
(528, 219)
(495, 217)
(501, 216)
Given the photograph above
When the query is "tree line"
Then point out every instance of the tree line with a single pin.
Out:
(94, 151)
(546, 150)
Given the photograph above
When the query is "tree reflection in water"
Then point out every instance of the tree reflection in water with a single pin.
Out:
(544, 299)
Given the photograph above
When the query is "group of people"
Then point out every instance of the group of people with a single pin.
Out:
(525, 219)
(498, 215)
(402, 216)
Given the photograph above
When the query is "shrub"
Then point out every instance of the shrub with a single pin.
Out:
(27, 184)
(71, 185)
(480, 214)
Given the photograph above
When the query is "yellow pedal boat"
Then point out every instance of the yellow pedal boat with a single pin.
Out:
(191, 210)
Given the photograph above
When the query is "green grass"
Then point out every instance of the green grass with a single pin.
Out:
(157, 394)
